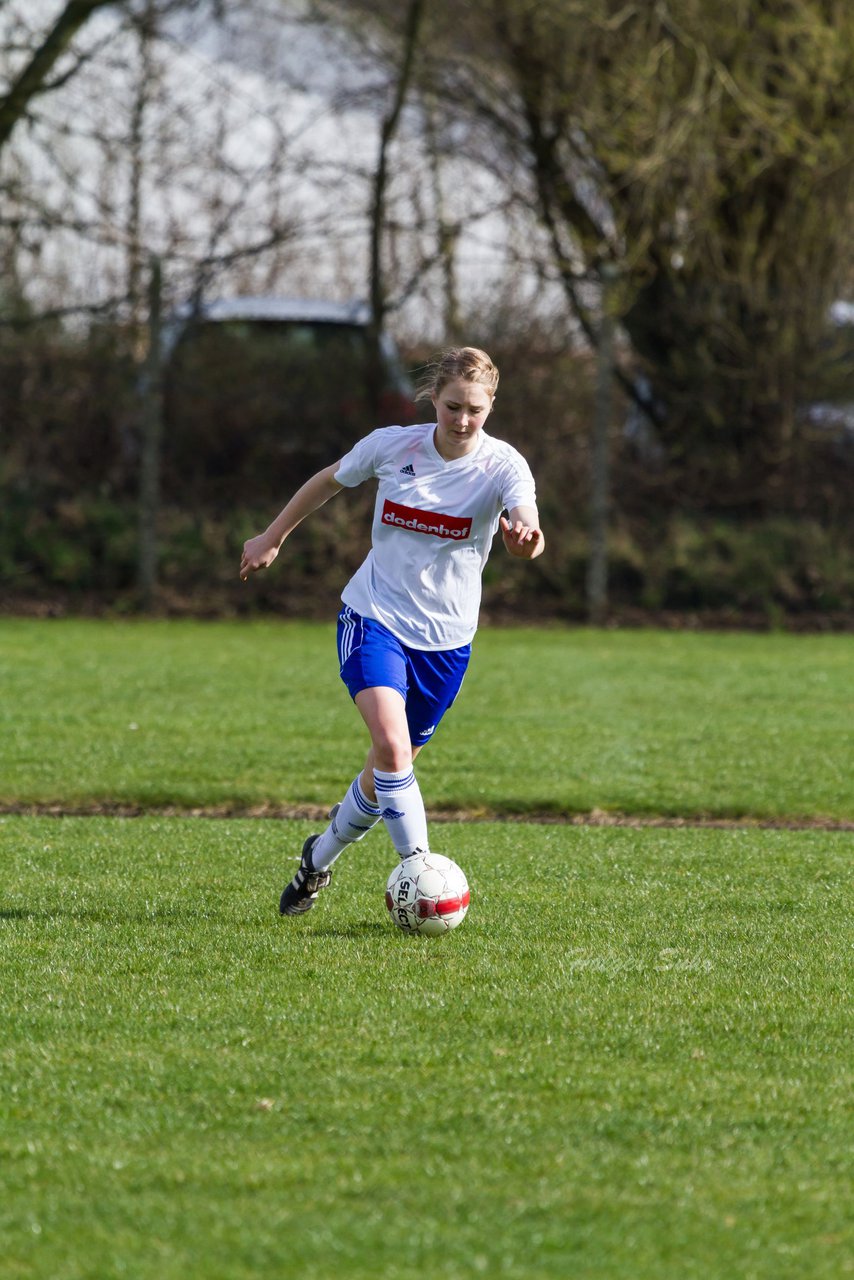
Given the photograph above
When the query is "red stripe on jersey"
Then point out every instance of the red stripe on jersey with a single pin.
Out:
(456, 528)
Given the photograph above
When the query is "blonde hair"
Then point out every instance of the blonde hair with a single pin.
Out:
(468, 363)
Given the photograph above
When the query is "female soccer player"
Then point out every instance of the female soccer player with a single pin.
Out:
(411, 610)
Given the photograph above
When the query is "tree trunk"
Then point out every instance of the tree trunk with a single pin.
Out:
(379, 304)
(152, 435)
(597, 565)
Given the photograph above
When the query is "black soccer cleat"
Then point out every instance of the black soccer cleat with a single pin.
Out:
(301, 894)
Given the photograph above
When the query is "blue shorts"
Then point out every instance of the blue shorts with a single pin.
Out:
(427, 680)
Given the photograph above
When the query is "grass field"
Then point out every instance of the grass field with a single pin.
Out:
(556, 720)
(632, 1060)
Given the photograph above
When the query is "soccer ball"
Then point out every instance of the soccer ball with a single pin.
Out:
(427, 894)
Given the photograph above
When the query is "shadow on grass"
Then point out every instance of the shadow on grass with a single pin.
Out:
(359, 929)
(109, 916)
(178, 915)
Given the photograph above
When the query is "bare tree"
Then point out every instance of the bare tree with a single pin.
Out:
(146, 29)
(32, 80)
(713, 165)
(388, 128)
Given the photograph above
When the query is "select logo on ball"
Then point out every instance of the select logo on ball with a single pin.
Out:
(427, 894)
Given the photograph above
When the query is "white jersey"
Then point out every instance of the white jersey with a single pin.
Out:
(434, 522)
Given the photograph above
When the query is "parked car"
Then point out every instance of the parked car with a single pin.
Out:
(830, 417)
(261, 390)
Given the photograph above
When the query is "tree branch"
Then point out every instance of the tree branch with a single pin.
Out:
(32, 79)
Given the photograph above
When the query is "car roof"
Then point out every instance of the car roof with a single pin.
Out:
(842, 313)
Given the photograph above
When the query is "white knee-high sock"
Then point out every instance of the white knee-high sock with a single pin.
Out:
(402, 809)
(355, 817)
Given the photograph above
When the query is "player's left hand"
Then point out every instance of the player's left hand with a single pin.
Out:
(521, 540)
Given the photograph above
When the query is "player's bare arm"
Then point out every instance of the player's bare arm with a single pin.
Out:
(261, 551)
(522, 534)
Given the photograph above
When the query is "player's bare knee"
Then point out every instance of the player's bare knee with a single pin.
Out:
(392, 754)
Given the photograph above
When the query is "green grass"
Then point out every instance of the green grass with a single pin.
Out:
(633, 1058)
(557, 720)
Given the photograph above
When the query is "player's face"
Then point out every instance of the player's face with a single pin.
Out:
(461, 410)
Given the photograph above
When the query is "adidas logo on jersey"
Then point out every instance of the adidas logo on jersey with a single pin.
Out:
(408, 470)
